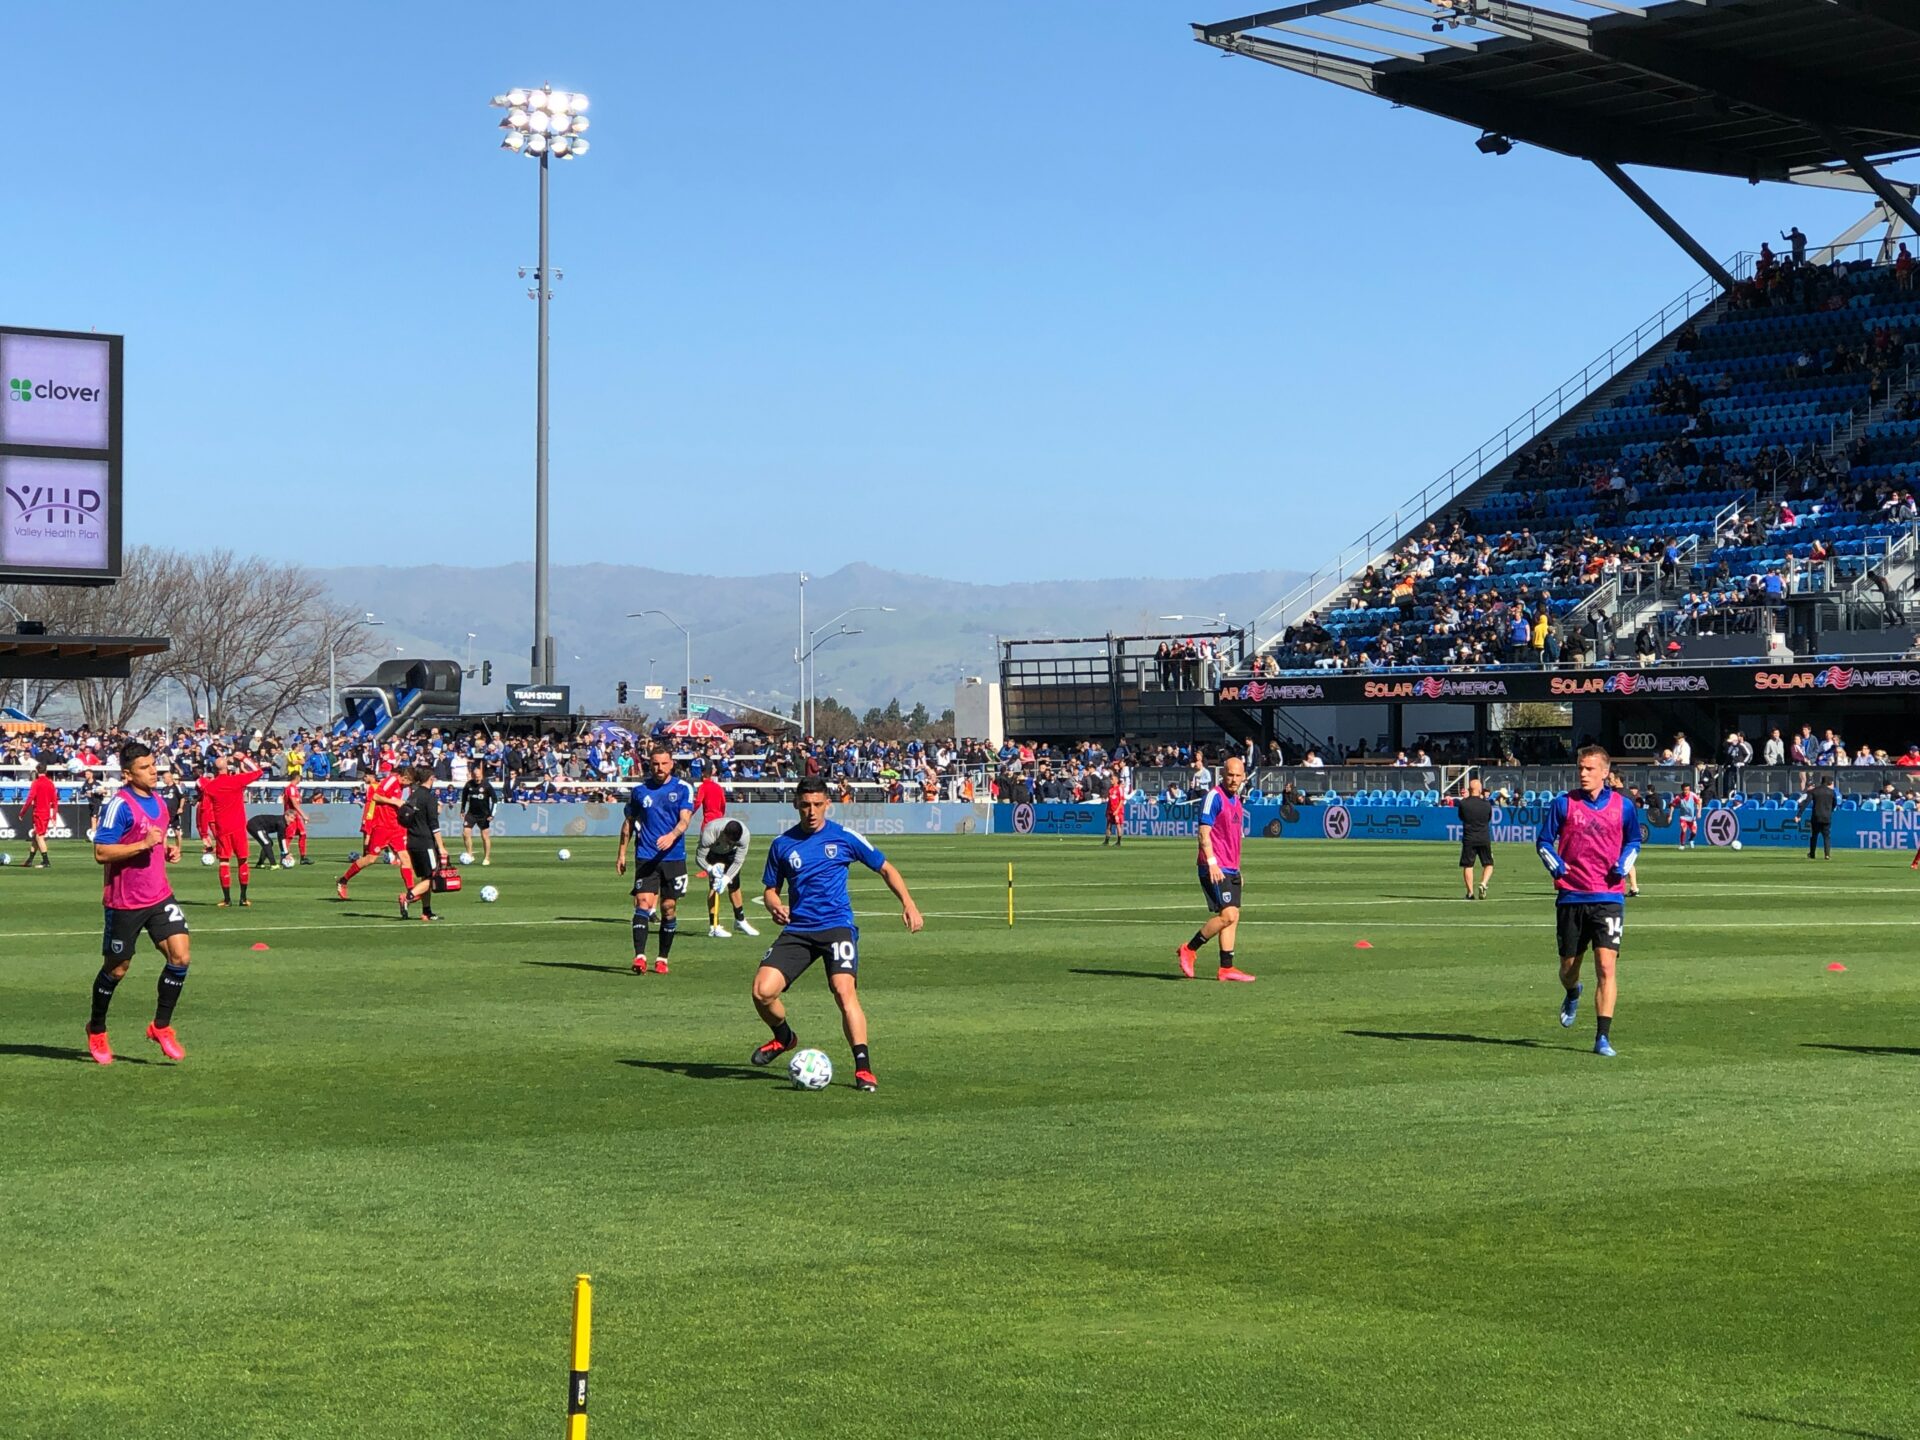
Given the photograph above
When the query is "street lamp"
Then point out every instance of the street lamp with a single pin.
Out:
(542, 123)
(812, 646)
(637, 614)
(811, 651)
(333, 698)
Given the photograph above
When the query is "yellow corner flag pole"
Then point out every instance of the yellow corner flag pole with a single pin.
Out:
(1009, 894)
(582, 1344)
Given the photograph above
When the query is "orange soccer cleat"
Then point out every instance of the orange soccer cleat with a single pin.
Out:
(1234, 972)
(340, 890)
(659, 967)
(169, 1043)
(1185, 957)
(99, 1049)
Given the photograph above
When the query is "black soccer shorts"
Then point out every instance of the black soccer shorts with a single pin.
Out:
(1474, 850)
(796, 950)
(1596, 923)
(660, 877)
(121, 933)
(1220, 896)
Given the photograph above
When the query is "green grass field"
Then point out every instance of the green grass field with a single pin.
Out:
(1380, 1193)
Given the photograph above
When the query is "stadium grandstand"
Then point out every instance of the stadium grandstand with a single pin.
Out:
(1717, 512)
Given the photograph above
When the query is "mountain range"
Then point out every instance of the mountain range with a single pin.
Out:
(744, 629)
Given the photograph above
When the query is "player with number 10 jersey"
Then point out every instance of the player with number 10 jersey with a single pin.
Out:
(811, 862)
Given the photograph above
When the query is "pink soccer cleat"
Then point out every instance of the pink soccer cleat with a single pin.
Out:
(99, 1049)
(169, 1043)
(1234, 972)
(659, 967)
(1185, 956)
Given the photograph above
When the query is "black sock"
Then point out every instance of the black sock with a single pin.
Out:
(739, 913)
(668, 929)
(640, 922)
(104, 985)
(173, 979)
(1605, 1024)
(1573, 992)
(1199, 941)
(1226, 959)
(784, 1033)
(860, 1058)
(226, 892)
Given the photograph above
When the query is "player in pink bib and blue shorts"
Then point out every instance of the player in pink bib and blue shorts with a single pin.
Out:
(1221, 823)
(1589, 842)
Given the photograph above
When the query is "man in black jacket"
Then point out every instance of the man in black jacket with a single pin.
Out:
(1818, 804)
(1476, 837)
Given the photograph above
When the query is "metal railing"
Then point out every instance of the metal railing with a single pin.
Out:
(1318, 586)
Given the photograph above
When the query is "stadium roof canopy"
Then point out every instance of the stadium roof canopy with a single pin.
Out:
(1808, 91)
(74, 657)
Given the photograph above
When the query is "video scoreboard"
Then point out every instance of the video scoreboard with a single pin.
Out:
(60, 455)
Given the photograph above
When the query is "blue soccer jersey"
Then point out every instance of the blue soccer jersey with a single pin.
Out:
(654, 809)
(814, 869)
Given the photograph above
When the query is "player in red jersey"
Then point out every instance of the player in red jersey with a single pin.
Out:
(384, 832)
(223, 795)
(296, 819)
(1116, 808)
(43, 804)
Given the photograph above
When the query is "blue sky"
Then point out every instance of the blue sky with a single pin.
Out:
(992, 291)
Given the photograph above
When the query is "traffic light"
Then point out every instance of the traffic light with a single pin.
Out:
(621, 694)
(683, 700)
(486, 672)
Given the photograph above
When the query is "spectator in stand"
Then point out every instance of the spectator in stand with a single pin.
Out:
(1775, 750)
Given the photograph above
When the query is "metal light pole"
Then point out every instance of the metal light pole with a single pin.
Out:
(800, 659)
(333, 697)
(811, 691)
(637, 614)
(814, 648)
(543, 123)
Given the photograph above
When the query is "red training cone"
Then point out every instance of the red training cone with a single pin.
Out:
(260, 945)
(1363, 944)
(1836, 965)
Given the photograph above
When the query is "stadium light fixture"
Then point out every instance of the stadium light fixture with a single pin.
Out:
(542, 123)
(1493, 143)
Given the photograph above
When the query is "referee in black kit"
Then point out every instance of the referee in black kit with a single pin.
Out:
(1476, 837)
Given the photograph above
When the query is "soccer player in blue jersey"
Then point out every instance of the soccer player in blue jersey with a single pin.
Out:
(658, 813)
(1589, 841)
(811, 860)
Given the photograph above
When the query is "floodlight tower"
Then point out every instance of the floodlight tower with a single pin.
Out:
(544, 123)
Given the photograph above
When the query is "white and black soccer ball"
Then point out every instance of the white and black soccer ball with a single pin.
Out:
(566, 854)
(5, 858)
(466, 857)
(206, 858)
(287, 862)
(1735, 845)
(489, 894)
(811, 1070)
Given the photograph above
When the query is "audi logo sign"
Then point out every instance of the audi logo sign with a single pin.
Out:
(1638, 740)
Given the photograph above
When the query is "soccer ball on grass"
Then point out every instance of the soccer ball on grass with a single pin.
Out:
(206, 858)
(1735, 845)
(566, 855)
(287, 862)
(466, 857)
(489, 894)
(811, 1070)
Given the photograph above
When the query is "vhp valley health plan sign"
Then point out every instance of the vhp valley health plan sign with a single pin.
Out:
(60, 456)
